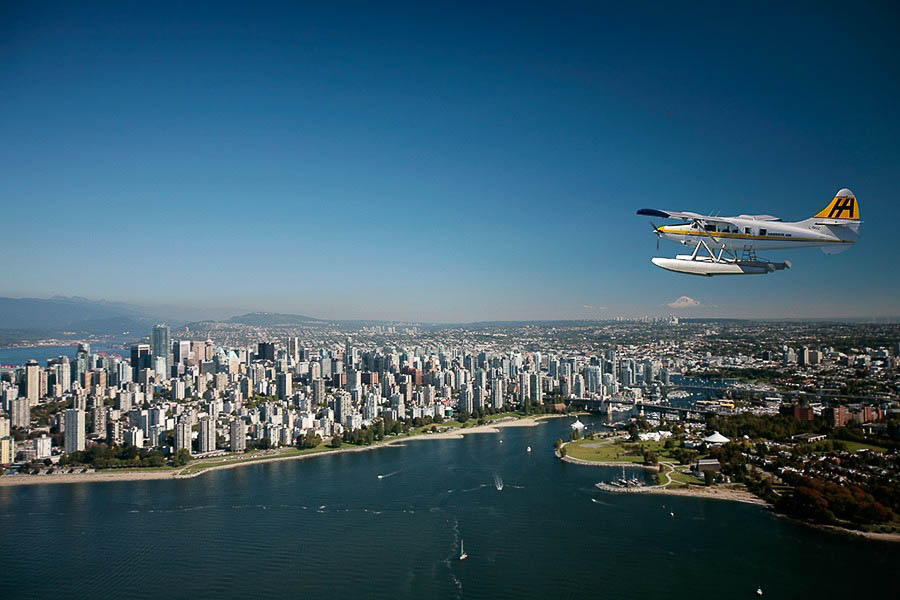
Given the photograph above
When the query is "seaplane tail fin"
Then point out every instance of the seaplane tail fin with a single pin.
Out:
(842, 208)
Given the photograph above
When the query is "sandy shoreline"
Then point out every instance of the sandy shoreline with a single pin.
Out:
(712, 493)
(176, 473)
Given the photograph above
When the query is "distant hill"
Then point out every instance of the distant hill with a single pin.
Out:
(78, 314)
(266, 319)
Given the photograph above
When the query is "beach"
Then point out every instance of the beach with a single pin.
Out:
(194, 469)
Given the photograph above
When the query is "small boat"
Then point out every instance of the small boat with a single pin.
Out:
(759, 591)
(462, 551)
(529, 449)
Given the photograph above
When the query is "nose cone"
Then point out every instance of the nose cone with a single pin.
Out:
(844, 193)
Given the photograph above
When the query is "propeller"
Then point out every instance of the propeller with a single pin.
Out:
(658, 233)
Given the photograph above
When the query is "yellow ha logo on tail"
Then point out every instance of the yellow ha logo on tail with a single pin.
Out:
(844, 206)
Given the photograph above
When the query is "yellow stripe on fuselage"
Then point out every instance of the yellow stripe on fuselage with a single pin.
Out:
(747, 236)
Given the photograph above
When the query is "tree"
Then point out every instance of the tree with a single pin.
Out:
(562, 452)
(336, 441)
(709, 477)
(182, 457)
(633, 433)
(310, 440)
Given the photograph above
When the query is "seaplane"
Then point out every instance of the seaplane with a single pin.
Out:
(729, 245)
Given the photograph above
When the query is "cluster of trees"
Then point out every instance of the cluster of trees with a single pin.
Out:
(364, 436)
(101, 456)
(310, 440)
(771, 427)
(427, 420)
(831, 503)
(548, 406)
(854, 433)
(744, 374)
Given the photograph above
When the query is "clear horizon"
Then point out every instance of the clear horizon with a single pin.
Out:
(441, 164)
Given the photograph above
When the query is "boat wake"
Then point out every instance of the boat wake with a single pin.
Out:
(498, 482)
(380, 476)
(475, 488)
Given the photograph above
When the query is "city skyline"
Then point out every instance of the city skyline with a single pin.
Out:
(418, 164)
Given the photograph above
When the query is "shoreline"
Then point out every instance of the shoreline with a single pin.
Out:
(600, 463)
(176, 473)
(728, 494)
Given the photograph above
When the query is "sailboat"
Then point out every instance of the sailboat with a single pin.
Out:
(462, 551)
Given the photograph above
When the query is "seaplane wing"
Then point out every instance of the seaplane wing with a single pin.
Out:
(689, 216)
(670, 214)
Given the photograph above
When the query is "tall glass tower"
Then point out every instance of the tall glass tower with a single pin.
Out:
(160, 341)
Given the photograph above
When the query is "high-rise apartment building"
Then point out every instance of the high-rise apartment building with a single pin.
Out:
(238, 436)
(32, 382)
(207, 435)
(75, 430)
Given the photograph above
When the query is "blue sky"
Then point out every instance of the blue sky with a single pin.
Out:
(443, 162)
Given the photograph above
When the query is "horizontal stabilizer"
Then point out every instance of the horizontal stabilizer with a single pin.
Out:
(835, 248)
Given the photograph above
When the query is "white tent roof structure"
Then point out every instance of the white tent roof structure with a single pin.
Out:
(716, 438)
(577, 424)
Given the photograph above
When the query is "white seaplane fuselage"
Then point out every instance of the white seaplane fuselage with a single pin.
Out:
(745, 234)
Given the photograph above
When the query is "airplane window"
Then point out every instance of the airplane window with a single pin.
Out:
(762, 232)
(747, 230)
(710, 227)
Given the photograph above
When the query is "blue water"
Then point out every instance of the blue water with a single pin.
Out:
(329, 527)
(13, 357)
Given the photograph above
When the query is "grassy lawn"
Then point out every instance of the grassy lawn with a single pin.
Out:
(680, 479)
(619, 451)
(601, 451)
(854, 446)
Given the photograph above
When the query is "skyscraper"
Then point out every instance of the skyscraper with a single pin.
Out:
(21, 412)
(537, 391)
(160, 340)
(74, 436)
(32, 382)
(284, 385)
(160, 349)
(265, 351)
(318, 391)
(238, 436)
(342, 406)
(140, 359)
(183, 435)
(207, 434)
(293, 344)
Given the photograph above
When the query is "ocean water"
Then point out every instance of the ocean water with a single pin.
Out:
(330, 527)
(14, 357)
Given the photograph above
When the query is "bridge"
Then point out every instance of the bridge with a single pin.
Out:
(605, 406)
